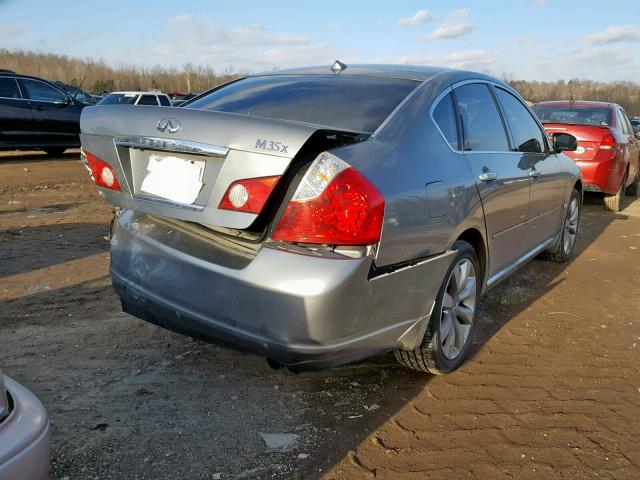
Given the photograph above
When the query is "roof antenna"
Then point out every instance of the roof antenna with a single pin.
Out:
(571, 91)
(338, 66)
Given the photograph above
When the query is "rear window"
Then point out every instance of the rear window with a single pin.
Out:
(573, 114)
(356, 103)
(119, 99)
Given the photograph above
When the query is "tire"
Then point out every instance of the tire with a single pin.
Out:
(55, 151)
(563, 251)
(433, 356)
(633, 190)
(613, 203)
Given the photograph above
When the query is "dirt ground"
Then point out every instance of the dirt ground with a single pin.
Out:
(552, 390)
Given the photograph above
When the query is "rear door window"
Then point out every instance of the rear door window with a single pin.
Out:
(527, 135)
(148, 100)
(164, 101)
(9, 88)
(42, 92)
(445, 117)
(482, 127)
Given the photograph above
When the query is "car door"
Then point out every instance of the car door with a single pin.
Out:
(15, 114)
(55, 116)
(547, 191)
(502, 182)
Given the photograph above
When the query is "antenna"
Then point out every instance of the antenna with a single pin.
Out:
(571, 92)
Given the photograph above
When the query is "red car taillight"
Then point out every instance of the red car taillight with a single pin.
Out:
(248, 195)
(334, 204)
(608, 142)
(102, 173)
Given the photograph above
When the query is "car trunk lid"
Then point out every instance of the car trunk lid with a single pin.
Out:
(178, 163)
(589, 138)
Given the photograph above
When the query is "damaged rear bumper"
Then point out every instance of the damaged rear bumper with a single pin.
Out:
(304, 311)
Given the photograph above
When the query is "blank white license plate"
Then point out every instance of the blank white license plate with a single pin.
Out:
(174, 178)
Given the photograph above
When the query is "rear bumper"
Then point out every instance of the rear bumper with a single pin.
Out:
(301, 310)
(603, 173)
(24, 437)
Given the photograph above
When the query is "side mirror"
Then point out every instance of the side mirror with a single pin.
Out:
(67, 100)
(563, 142)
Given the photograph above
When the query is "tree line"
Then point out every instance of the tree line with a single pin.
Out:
(97, 76)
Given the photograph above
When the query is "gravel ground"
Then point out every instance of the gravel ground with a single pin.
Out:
(552, 390)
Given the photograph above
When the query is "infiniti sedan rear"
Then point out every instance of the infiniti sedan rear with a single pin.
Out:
(319, 216)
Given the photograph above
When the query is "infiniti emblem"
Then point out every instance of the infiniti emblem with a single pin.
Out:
(171, 125)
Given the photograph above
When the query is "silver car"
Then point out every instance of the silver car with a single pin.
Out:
(322, 215)
(24, 433)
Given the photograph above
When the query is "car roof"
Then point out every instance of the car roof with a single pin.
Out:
(7, 73)
(407, 72)
(577, 103)
(133, 92)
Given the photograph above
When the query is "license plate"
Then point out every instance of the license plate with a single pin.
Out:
(174, 178)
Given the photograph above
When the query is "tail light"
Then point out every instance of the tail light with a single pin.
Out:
(248, 195)
(102, 173)
(608, 142)
(334, 204)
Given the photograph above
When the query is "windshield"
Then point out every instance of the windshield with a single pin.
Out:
(580, 115)
(119, 99)
(355, 103)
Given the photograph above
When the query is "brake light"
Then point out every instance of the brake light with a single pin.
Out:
(608, 142)
(334, 204)
(102, 173)
(248, 195)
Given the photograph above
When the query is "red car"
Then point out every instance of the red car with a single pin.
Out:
(608, 152)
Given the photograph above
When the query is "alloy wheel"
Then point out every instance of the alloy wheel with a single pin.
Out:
(458, 308)
(571, 225)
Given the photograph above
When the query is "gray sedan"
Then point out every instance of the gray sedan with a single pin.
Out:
(24, 433)
(322, 215)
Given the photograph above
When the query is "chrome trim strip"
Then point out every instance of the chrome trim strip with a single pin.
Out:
(506, 88)
(168, 203)
(502, 274)
(171, 145)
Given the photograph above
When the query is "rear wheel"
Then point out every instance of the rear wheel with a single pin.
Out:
(55, 151)
(452, 325)
(633, 190)
(613, 202)
(564, 249)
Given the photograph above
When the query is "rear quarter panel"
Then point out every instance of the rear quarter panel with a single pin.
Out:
(400, 161)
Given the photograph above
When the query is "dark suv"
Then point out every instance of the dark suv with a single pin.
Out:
(35, 114)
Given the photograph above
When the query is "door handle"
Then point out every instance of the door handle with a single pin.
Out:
(487, 176)
(533, 172)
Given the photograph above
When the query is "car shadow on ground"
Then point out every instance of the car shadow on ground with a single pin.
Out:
(17, 157)
(32, 248)
(128, 399)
